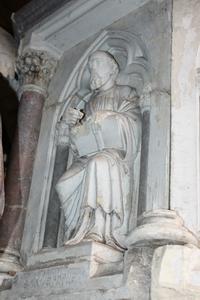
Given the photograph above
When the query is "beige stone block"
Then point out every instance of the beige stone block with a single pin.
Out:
(176, 273)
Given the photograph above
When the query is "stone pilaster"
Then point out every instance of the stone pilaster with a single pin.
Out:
(157, 223)
(35, 69)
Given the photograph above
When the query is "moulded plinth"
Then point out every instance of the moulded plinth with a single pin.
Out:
(161, 227)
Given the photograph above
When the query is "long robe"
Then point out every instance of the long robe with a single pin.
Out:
(98, 192)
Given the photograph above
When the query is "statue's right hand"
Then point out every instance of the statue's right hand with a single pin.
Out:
(71, 116)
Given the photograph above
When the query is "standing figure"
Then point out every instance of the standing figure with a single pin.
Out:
(97, 191)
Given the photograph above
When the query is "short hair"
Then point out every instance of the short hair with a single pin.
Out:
(108, 58)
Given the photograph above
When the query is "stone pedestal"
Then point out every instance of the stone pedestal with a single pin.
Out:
(35, 72)
(87, 271)
(94, 271)
(99, 259)
(67, 272)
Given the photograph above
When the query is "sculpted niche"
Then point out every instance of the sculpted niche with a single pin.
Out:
(97, 192)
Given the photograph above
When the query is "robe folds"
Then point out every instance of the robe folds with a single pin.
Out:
(98, 192)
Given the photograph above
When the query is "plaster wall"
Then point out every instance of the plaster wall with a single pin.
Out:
(185, 112)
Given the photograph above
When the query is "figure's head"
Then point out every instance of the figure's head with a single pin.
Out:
(103, 70)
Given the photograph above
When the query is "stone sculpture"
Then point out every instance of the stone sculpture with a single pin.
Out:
(98, 191)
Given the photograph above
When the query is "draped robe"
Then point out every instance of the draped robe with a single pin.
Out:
(98, 192)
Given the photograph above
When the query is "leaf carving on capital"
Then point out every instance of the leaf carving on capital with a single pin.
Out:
(35, 67)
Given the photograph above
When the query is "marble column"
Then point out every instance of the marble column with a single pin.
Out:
(35, 69)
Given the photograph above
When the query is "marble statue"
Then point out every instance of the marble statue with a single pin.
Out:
(98, 191)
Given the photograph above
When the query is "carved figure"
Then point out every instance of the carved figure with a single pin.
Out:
(97, 191)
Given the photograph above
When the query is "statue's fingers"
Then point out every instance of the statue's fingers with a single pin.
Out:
(81, 114)
(73, 121)
(75, 118)
(78, 114)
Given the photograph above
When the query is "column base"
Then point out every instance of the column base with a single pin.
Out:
(9, 262)
(161, 227)
(9, 266)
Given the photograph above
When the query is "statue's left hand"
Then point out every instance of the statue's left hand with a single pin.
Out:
(71, 116)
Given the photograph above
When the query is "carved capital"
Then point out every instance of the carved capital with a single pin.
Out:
(35, 68)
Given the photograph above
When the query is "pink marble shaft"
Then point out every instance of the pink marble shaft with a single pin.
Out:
(19, 174)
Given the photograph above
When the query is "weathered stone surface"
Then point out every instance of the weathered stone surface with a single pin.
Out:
(176, 273)
(137, 272)
(69, 271)
(161, 227)
(103, 260)
(36, 68)
(112, 294)
(20, 170)
(185, 183)
(75, 278)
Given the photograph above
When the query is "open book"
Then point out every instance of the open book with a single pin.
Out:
(98, 133)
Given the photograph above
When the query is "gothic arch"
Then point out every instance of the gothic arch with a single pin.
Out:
(131, 55)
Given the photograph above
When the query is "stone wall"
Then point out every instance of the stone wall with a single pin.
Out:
(185, 112)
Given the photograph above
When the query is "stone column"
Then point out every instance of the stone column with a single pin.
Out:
(35, 70)
(157, 223)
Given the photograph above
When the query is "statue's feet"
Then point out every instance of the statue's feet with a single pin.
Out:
(95, 236)
(112, 242)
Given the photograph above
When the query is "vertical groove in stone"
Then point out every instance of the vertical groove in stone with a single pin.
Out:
(54, 211)
(144, 163)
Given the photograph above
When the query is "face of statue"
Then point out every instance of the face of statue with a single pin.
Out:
(101, 71)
